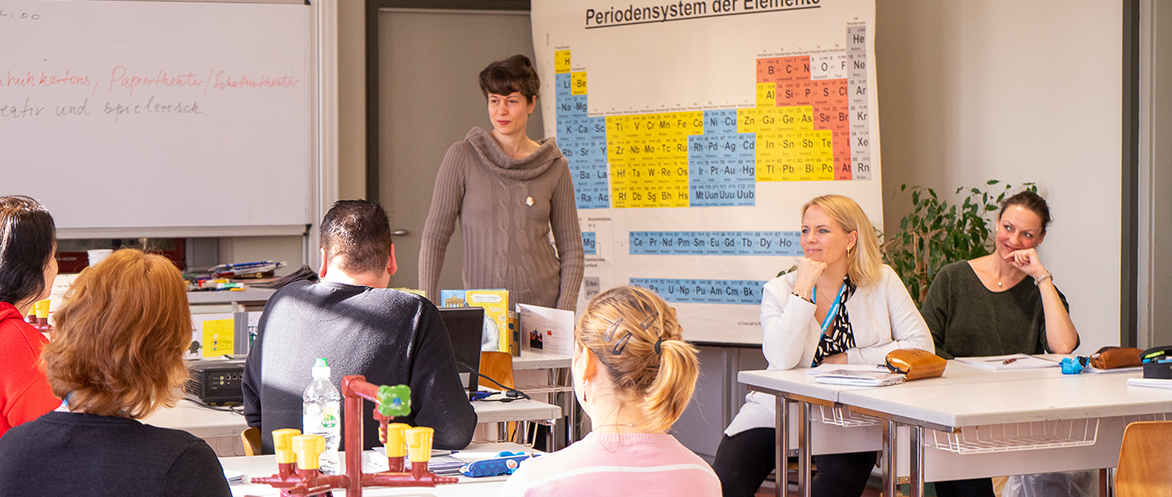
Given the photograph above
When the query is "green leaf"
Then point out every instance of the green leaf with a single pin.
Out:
(992, 182)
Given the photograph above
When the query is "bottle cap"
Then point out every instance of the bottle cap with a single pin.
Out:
(321, 369)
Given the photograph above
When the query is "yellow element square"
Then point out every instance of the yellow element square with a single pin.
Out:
(578, 83)
(787, 146)
(561, 61)
(648, 155)
(767, 94)
(218, 336)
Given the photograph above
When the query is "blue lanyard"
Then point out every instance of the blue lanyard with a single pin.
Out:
(833, 307)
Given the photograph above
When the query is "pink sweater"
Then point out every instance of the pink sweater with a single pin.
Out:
(641, 464)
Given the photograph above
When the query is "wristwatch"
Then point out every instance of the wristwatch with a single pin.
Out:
(1047, 276)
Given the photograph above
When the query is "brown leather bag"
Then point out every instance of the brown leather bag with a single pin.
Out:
(1116, 357)
(915, 363)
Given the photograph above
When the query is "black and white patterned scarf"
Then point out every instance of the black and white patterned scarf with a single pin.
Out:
(838, 337)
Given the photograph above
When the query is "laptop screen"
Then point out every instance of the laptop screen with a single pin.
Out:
(465, 327)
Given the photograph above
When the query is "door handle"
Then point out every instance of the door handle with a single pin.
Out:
(399, 233)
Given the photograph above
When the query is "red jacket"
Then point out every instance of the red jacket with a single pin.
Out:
(24, 391)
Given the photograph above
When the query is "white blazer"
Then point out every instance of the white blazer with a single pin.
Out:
(883, 318)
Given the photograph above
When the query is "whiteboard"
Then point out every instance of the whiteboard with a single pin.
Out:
(163, 117)
(695, 132)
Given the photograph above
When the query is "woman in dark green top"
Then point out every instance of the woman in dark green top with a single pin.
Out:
(1002, 303)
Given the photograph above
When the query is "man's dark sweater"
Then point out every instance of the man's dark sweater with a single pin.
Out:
(66, 453)
(391, 337)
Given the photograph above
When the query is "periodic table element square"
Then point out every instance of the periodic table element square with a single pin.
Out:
(829, 66)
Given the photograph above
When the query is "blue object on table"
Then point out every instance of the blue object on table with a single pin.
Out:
(505, 464)
(1071, 366)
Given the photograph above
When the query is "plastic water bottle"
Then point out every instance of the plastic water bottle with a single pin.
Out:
(320, 414)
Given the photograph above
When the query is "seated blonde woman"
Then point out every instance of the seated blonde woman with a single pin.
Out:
(633, 375)
(116, 357)
(841, 306)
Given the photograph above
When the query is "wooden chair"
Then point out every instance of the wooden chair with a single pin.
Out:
(251, 439)
(1145, 460)
(499, 366)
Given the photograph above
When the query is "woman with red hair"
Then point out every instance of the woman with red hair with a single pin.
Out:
(116, 357)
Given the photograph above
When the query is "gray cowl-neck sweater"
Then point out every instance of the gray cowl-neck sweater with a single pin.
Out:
(507, 208)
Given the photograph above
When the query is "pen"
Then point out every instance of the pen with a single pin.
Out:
(1008, 361)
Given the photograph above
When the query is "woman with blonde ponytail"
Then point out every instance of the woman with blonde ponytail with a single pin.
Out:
(633, 375)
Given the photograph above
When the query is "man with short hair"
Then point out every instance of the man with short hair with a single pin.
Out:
(361, 327)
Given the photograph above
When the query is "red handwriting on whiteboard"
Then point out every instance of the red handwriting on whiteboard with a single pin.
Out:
(223, 80)
(120, 76)
(44, 79)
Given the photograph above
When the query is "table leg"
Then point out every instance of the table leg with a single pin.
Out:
(805, 483)
(916, 468)
(888, 461)
(781, 450)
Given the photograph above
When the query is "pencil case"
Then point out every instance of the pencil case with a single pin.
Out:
(915, 363)
(1116, 357)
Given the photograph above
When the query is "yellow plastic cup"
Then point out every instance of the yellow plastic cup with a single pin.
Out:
(397, 439)
(419, 443)
(42, 308)
(308, 448)
(283, 445)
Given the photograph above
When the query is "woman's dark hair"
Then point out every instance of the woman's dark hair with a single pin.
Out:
(506, 76)
(1031, 201)
(27, 235)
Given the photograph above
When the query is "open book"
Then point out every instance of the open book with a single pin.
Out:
(859, 378)
(1011, 361)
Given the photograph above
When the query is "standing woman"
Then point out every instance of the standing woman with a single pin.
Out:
(1002, 303)
(841, 306)
(508, 191)
(27, 268)
(116, 357)
(633, 375)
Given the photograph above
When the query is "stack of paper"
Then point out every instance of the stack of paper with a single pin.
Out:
(859, 378)
(1011, 361)
(234, 477)
(1149, 382)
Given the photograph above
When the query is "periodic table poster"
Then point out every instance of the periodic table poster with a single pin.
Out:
(695, 131)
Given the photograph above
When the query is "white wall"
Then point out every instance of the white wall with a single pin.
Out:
(1016, 91)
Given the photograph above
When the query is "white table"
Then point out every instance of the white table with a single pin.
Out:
(965, 397)
(267, 465)
(554, 386)
(540, 359)
(222, 429)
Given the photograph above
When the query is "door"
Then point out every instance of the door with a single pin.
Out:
(429, 62)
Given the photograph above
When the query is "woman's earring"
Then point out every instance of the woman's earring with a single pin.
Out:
(585, 385)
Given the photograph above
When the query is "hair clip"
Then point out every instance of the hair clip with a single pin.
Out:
(622, 344)
(648, 320)
(606, 337)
